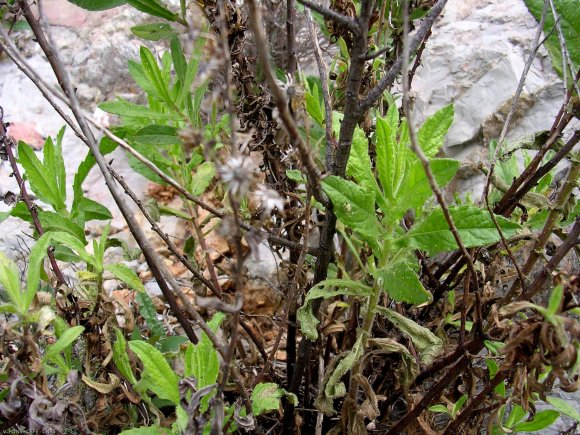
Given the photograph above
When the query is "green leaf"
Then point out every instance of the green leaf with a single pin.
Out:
(138, 74)
(266, 397)
(121, 358)
(308, 322)
(333, 387)
(439, 408)
(202, 178)
(391, 155)
(313, 105)
(400, 280)
(55, 222)
(93, 210)
(427, 343)
(153, 7)
(295, 175)
(569, 18)
(65, 340)
(172, 343)
(97, 5)
(145, 430)
(38, 252)
(458, 405)
(359, 167)
(10, 280)
(431, 135)
(564, 407)
(417, 188)
(42, 182)
(355, 207)
(475, 228)
(201, 360)
(153, 31)
(129, 110)
(127, 275)
(147, 310)
(179, 61)
(157, 135)
(555, 300)
(55, 164)
(154, 74)
(161, 378)
(541, 420)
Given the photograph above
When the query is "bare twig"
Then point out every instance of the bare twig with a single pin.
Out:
(426, 166)
(282, 104)
(158, 269)
(376, 93)
(515, 100)
(330, 14)
(8, 145)
(46, 90)
(323, 74)
(566, 59)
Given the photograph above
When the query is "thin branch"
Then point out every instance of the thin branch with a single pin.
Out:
(426, 166)
(571, 240)
(566, 59)
(376, 53)
(291, 37)
(330, 14)
(46, 90)
(323, 74)
(31, 207)
(158, 269)
(515, 100)
(282, 104)
(376, 93)
(433, 393)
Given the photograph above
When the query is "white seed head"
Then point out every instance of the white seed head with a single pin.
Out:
(238, 174)
(269, 199)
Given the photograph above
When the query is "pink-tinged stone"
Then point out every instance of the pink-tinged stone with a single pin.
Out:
(63, 13)
(26, 132)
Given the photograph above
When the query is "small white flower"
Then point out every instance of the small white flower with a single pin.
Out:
(269, 199)
(238, 174)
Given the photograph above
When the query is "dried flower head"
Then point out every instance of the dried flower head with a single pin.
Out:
(269, 199)
(238, 174)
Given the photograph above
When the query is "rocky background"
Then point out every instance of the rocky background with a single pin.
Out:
(474, 59)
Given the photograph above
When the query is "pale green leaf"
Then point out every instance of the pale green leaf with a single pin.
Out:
(389, 151)
(156, 370)
(153, 7)
(431, 135)
(42, 181)
(266, 397)
(201, 360)
(540, 421)
(564, 407)
(51, 221)
(475, 228)
(417, 188)
(428, 344)
(333, 387)
(147, 310)
(555, 299)
(121, 358)
(355, 207)
(127, 275)
(10, 280)
(360, 168)
(202, 178)
(98, 5)
(305, 316)
(67, 338)
(400, 280)
(153, 31)
(129, 110)
(157, 135)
